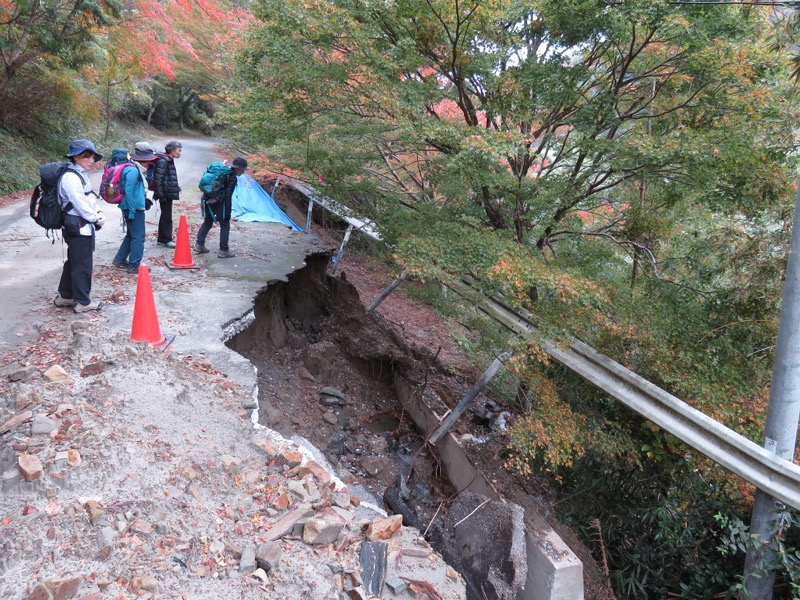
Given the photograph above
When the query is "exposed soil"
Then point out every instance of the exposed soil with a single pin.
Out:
(313, 331)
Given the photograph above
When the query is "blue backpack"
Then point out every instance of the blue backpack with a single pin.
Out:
(214, 181)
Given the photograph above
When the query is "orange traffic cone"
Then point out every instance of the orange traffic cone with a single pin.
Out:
(145, 320)
(183, 253)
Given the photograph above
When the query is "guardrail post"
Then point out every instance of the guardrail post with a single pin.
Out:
(780, 433)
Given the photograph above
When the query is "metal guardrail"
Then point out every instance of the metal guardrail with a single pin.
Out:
(367, 227)
(777, 477)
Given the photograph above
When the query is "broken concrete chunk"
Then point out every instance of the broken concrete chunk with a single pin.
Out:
(384, 528)
(247, 564)
(30, 466)
(397, 585)
(43, 425)
(320, 531)
(56, 373)
(270, 449)
(15, 420)
(268, 555)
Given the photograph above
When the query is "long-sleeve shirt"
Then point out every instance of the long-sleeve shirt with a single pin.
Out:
(75, 187)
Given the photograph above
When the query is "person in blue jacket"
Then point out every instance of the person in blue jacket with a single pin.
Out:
(133, 206)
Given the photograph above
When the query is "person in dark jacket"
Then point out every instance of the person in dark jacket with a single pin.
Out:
(218, 209)
(133, 206)
(82, 219)
(166, 190)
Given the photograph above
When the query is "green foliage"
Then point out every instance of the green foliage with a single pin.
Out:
(657, 534)
(736, 542)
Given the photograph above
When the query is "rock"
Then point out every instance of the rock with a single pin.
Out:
(247, 564)
(43, 425)
(232, 549)
(285, 525)
(21, 374)
(384, 528)
(312, 468)
(261, 574)
(30, 466)
(41, 592)
(56, 373)
(331, 401)
(60, 589)
(303, 372)
(380, 467)
(73, 457)
(149, 583)
(270, 449)
(231, 464)
(268, 555)
(397, 585)
(320, 531)
(95, 511)
(292, 458)
(332, 391)
(93, 369)
(141, 526)
(372, 557)
(15, 420)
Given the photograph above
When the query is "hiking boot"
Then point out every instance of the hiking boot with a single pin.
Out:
(132, 269)
(63, 302)
(166, 244)
(200, 249)
(120, 264)
(226, 254)
(82, 308)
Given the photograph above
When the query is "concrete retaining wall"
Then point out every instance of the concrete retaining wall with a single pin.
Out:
(554, 572)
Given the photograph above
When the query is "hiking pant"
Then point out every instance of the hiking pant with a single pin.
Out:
(76, 276)
(212, 213)
(132, 247)
(165, 222)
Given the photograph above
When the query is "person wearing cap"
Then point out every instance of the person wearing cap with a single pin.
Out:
(133, 206)
(219, 210)
(82, 218)
(166, 190)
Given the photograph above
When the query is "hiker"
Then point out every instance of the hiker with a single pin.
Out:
(219, 210)
(82, 218)
(166, 190)
(133, 205)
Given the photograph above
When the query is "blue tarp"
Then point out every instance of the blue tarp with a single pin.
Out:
(252, 203)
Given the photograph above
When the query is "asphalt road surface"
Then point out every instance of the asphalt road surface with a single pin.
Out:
(30, 264)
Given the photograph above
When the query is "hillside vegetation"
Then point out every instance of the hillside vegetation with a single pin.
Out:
(625, 172)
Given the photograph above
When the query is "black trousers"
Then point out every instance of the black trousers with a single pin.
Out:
(165, 222)
(76, 276)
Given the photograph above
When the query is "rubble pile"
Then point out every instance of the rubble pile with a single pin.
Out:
(129, 473)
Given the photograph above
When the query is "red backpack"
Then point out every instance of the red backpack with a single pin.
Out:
(110, 187)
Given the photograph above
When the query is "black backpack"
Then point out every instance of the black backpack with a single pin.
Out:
(46, 209)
